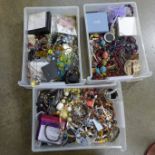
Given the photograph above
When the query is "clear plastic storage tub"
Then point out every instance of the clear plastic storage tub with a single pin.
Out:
(145, 72)
(65, 10)
(119, 143)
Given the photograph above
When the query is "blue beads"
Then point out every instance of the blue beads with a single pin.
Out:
(66, 67)
(97, 70)
(103, 69)
(62, 73)
(53, 58)
(102, 43)
(59, 72)
(57, 53)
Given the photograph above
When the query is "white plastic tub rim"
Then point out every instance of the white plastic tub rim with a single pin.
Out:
(119, 143)
(145, 71)
(64, 10)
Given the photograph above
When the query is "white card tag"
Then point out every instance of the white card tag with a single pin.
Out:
(127, 26)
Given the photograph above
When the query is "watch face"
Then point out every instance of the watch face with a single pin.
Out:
(109, 37)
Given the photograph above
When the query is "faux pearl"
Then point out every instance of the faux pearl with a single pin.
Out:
(63, 100)
(69, 119)
(60, 106)
(95, 96)
(69, 109)
(66, 93)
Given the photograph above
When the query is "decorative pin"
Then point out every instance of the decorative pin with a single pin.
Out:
(132, 67)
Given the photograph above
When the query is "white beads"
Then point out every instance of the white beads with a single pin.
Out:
(60, 106)
(63, 101)
(69, 109)
(66, 93)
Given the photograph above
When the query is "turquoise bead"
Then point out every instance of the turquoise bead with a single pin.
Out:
(102, 43)
(103, 69)
(66, 67)
(97, 70)
(53, 58)
(57, 53)
(59, 72)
